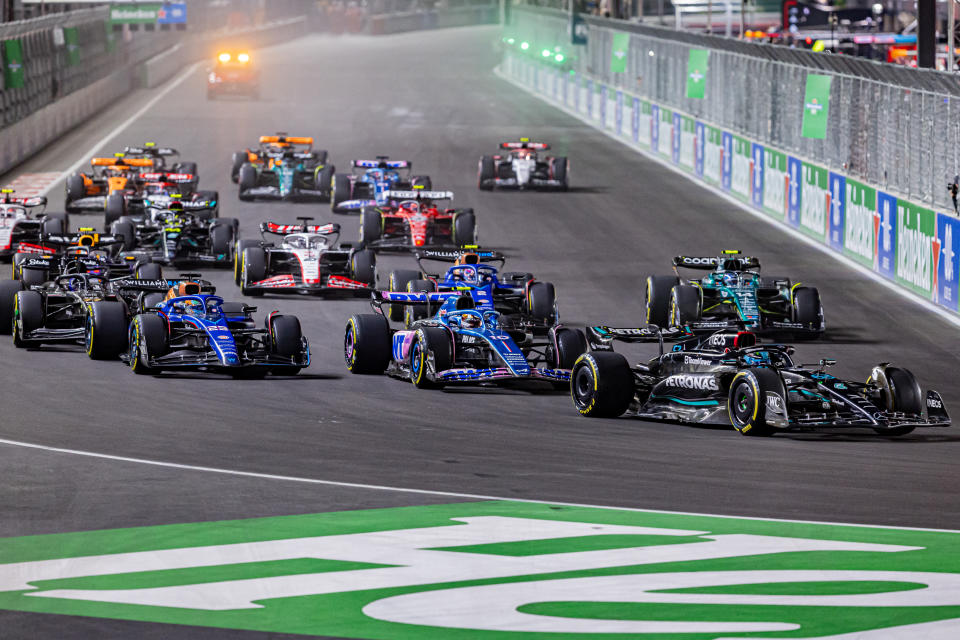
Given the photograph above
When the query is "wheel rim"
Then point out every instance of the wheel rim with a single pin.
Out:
(416, 359)
(350, 345)
(743, 404)
(582, 386)
(88, 336)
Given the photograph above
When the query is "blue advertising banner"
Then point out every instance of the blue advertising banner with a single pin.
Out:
(603, 105)
(675, 138)
(885, 232)
(172, 13)
(947, 273)
(700, 143)
(655, 128)
(727, 161)
(838, 210)
(635, 120)
(757, 166)
(795, 180)
(590, 97)
(619, 113)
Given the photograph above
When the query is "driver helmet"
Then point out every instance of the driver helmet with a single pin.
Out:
(757, 357)
(471, 321)
(191, 307)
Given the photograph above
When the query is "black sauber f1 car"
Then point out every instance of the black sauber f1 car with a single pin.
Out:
(309, 260)
(728, 378)
(78, 308)
(522, 168)
(733, 295)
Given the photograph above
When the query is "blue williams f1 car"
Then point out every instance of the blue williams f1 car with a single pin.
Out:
(728, 378)
(463, 343)
(201, 331)
(370, 182)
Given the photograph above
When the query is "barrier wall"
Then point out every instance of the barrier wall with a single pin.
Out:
(912, 245)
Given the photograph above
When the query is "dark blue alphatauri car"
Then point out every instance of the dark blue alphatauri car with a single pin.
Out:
(370, 182)
(463, 342)
(201, 331)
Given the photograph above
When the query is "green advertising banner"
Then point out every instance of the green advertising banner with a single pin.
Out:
(499, 570)
(916, 234)
(816, 106)
(776, 181)
(697, 73)
(814, 200)
(145, 13)
(13, 75)
(71, 38)
(618, 52)
(859, 231)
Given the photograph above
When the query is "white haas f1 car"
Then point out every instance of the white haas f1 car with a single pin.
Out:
(20, 225)
(522, 168)
(309, 260)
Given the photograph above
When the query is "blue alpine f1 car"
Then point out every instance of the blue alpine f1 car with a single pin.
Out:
(463, 342)
(201, 331)
(370, 181)
(525, 304)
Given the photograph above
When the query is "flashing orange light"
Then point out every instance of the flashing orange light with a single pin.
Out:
(243, 57)
(224, 57)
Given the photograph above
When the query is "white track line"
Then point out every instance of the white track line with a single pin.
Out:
(170, 86)
(951, 318)
(426, 492)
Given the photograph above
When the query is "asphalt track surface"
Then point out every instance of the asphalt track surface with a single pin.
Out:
(433, 99)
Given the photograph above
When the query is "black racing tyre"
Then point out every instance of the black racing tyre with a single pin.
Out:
(239, 159)
(684, 305)
(486, 173)
(246, 179)
(902, 393)
(561, 170)
(601, 384)
(413, 313)
(398, 282)
(367, 344)
(8, 292)
(371, 226)
(33, 277)
(125, 228)
(152, 300)
(286, 337)
(427, 342)
(747, 400)
(363, 267)
(75, 189)
(114, 207)
(148, 339)
(188, 167)
(27, 316)
(571, 344)
(221, 239)
(806, 305)
(659, 289)
(239, 246)
(423, 182)
(542, 301)
(105, 336)
(149, 271)
(57, 223)
(323, 178)
(340, 191)
(464, 228)
(253, 269)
